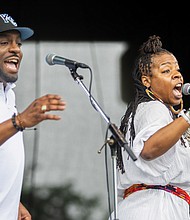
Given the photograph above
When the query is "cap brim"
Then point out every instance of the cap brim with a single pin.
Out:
(25, 32)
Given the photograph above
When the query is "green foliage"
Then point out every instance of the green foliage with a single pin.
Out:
(58, 203)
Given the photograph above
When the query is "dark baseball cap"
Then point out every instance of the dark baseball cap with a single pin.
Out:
(7, 23)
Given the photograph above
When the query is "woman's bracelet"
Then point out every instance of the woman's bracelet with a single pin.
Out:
(19, 127)
(185, 115)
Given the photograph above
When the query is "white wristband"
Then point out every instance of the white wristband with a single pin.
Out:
(186, 115)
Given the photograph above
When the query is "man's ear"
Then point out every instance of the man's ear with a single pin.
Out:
(146, 81)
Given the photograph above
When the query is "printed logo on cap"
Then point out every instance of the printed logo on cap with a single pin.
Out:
(7, 18)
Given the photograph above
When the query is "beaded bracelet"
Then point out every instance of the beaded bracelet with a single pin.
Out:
(20, 121)
(18, 128)
(186, 115)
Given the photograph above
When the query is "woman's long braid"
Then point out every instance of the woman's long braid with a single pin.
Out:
(143, 67)
(140, 96)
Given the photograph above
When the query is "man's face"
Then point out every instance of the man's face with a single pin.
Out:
(10, 56)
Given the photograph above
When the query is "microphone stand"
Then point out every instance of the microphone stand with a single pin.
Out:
(116, 133)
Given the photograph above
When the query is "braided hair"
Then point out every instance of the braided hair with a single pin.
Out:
(149, 49)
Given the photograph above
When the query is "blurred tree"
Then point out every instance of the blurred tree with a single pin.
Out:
(59, 203)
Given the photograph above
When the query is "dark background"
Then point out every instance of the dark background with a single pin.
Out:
(107, 21)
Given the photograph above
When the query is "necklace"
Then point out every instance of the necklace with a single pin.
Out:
(154, 97)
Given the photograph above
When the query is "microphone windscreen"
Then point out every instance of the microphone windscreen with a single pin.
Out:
(49, 58)
(186, 89)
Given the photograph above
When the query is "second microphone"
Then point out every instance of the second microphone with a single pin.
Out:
(53, 59)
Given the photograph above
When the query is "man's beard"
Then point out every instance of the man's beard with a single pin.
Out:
(9, 78)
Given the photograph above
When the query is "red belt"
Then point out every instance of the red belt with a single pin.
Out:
(168, 188)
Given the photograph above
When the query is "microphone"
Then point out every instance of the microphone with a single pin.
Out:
(53, 59)
(186, 89)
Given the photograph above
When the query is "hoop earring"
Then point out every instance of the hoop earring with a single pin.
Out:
(152, 95)
(179, 110)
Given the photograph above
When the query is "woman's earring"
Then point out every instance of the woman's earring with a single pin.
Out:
(152, 95)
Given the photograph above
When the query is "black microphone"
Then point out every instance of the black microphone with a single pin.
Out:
(186, 89)
(53, 59)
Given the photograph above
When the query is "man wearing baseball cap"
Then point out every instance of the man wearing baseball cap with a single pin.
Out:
(13, 123)
(7, 24)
